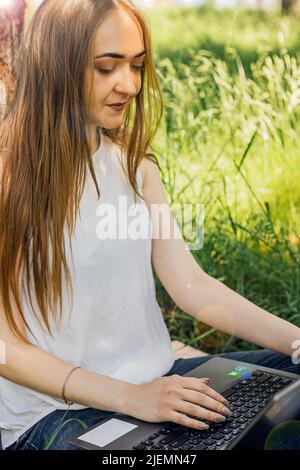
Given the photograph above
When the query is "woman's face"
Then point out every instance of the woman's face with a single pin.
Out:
(116, 80)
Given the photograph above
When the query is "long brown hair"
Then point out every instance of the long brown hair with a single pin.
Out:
(45, 152)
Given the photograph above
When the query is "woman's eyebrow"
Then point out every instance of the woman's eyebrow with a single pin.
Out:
(119, 56)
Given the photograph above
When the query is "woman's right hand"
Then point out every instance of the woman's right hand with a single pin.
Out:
(175, 398)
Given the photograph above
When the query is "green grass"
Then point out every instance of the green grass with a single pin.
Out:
(229, 140)
(250, 32)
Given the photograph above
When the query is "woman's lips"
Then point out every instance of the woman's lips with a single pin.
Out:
(117, 108)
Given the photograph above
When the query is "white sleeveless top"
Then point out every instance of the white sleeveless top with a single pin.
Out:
(116, 327)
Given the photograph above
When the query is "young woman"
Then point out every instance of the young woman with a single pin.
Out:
(79, 319)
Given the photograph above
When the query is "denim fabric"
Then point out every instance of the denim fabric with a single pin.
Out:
(36, 437)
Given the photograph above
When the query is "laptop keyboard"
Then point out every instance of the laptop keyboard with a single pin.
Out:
(246, 399)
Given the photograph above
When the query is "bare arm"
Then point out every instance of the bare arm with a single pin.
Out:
(38, 370)
(212, 302)
(30, 366)
(200, 295)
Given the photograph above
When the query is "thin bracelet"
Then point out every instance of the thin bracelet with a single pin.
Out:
(64, 386)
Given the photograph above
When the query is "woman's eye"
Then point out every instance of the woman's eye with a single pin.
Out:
(104, 70)
(135, 67)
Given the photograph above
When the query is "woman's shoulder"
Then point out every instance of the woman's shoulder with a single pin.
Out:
(147, 165)
(143, 168)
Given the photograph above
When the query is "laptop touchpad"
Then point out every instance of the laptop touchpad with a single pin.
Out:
(107, 432)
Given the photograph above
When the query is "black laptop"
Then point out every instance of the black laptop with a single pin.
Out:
(260, 398)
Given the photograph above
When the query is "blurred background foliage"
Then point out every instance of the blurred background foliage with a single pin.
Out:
(229, 140)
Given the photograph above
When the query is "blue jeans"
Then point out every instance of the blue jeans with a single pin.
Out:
(36, 437)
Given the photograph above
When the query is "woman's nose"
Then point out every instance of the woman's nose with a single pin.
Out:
(127, 83)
